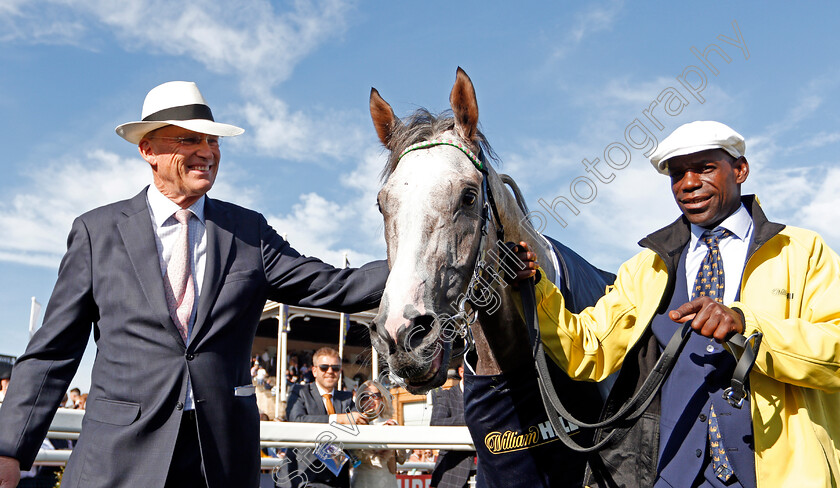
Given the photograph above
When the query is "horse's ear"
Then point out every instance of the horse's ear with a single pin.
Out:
(464, 106)
(383, 117)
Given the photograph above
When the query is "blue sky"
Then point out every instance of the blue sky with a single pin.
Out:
(557, 82)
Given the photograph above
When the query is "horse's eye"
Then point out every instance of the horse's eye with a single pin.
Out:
(468, 200)
(378, 206)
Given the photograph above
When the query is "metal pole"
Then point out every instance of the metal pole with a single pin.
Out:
(342, 330)
(282, 346)
(342, 326)
(34, 313)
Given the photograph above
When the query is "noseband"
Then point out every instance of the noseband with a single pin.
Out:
(477, 287)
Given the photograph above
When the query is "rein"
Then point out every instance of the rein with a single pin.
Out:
(463, 320)
(638, 403)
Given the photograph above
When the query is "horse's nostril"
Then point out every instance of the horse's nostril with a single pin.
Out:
(418, 329)
(378, 330)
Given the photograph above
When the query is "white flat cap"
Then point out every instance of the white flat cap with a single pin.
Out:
(694, 137)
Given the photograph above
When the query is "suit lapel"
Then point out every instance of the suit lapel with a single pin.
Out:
(138, 237)
(316, 397)
(220, 228)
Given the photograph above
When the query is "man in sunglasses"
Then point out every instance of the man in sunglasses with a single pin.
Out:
(320, 402)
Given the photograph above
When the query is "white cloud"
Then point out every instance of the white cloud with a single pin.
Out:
(259, 43)
(38, 217)
(314, 227)
(594, 19)
(299, 136)
(638, 201)
(365, 180)
(818, 140)
(606, 230)
(251, 39)
(821, 213)
(17, 22)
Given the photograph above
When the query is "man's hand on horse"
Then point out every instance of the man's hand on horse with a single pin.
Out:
(709, 318)
(521, 260)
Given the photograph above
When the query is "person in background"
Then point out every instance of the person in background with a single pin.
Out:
(320, 402)
(292, 371)
(453, 469)
(5, 375)
(75, 396)
(378, 467)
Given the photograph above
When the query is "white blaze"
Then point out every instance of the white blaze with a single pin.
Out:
(423, 177)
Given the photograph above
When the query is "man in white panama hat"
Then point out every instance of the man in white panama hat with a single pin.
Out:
(173, 283)
(727, 268)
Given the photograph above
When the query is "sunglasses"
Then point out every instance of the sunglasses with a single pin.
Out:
(325, 367)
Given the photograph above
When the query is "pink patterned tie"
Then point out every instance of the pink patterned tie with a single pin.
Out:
(180, 294)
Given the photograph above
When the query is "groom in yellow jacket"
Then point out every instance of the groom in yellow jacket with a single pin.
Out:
(724, 266)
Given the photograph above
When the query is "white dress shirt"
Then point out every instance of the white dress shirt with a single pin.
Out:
(323, 392)
(166, 229)
(733, 252)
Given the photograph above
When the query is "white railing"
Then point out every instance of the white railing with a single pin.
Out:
(68, 423)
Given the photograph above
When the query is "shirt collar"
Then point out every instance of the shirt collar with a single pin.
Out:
(739, 224)
(322, 391)
(163, 208)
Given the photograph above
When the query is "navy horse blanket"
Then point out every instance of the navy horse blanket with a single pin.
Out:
(515, 442)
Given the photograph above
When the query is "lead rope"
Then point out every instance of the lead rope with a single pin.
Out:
(636, 406)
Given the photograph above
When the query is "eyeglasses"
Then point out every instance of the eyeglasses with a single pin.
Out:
(371, 395)
(325, 367)
(192, 141)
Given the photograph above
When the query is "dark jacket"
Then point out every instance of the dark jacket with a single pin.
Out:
(110, 281)
(452, 469)
(306, 405)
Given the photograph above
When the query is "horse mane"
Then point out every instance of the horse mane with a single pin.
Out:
(421, 126)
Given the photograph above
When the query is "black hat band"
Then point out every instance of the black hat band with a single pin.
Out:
(184, 112)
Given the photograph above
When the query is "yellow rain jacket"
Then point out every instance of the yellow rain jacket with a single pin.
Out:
(790, 292)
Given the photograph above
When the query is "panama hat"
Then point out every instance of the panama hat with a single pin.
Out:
(175, 103)
(694, 137)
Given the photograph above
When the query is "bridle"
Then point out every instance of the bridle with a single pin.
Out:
(462, 321)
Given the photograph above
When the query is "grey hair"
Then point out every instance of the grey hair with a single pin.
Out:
(421, 126)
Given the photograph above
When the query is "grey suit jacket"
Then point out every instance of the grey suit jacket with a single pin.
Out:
(110, 281)
(306, 405)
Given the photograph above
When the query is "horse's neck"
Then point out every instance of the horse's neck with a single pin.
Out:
(501, 340)
(500, 337)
